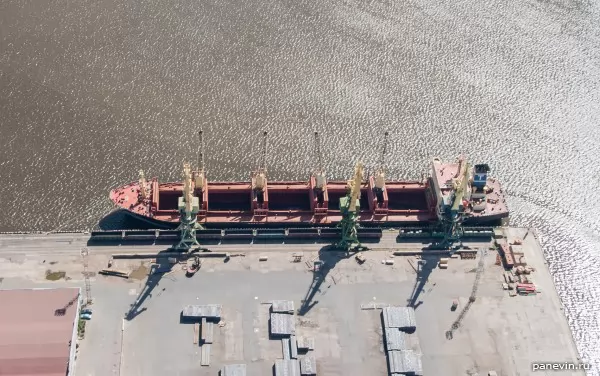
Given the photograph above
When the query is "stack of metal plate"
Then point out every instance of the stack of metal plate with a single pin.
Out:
(293, 347)
(282, 306)
(287, 367)
(211, 311)
(234, 370)
(399, 317)
(395, 339)
(207, 331)
(205, 355)
(306, 343)
(308, 366)
(282, 324)
(405, 362)
(285, 347)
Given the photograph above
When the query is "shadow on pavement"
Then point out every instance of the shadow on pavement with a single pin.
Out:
(328, 257)
(157, 271)
(424, 267)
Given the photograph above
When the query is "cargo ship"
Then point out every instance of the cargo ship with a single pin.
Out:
(456, 186)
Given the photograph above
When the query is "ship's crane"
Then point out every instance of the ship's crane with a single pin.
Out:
(143, 186)
(380, 172)
(199, 175)
(188, 187)
(259, 178)
(188, 212)
(349, 209)
(319, 174)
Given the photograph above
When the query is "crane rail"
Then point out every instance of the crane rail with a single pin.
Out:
(472, 298)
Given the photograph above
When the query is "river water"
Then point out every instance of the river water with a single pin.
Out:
(93, 91)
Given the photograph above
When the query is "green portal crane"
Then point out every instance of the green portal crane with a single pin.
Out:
(349, 209)
(454, 215)
(188, 211)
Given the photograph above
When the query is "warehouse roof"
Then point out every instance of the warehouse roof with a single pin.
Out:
(34, 337)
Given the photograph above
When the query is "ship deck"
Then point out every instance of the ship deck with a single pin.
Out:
(499, 333)
(291, 204)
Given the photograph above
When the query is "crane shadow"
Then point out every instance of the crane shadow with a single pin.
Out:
(424, 268)
(155, 274)
(328, 257)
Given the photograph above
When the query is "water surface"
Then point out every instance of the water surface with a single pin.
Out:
(93, 91)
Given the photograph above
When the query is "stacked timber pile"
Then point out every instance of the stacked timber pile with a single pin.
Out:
(398, 325)
(208, 315)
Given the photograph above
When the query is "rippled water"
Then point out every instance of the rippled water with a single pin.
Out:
(92, 91)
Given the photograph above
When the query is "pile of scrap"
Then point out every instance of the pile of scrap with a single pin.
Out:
(398, 324)
(208, 315)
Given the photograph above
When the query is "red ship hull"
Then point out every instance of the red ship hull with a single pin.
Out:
(294, 204)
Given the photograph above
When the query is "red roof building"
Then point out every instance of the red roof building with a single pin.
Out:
(37, 327)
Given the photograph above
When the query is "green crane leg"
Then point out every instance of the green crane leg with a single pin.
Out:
(452, 232)
(188, 227)
(349, 228)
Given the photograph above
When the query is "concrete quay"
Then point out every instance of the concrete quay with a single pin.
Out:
(501, 333)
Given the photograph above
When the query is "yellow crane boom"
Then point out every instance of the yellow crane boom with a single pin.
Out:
(188, 187)
(460, 186)
(355, 186)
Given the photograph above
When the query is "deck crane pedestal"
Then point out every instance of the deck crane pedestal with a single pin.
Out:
(350, 209)
(188, 210)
